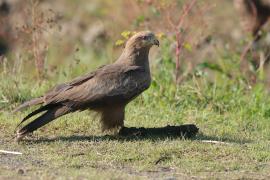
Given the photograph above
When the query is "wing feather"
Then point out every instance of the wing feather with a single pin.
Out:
(110, 84)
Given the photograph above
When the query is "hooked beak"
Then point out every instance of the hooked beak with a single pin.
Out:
(156, 42)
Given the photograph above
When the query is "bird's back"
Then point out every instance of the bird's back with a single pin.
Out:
(111, 84)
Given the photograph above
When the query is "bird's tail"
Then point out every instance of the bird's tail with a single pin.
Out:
(32, 102)
(48, 116)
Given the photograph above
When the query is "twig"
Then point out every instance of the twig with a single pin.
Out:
(10, 152)
(186, 11)
(180, 37)
(246, 50)
(215, 142)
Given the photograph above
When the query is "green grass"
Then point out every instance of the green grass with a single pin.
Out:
(224, 110)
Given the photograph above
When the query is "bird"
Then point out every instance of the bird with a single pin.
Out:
(254, 14)
(106, 90)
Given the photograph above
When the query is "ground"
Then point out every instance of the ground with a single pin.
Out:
(73, 146)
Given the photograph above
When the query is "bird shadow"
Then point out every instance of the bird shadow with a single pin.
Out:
(187, 131)
(131, 134)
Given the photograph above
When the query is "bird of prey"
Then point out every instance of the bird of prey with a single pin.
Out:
(254, 14)
(106, 90)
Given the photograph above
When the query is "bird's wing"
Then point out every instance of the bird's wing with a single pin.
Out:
(109, 84)
(60, 88)
(85, 78)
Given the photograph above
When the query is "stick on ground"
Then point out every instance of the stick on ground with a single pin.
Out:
(10, 152)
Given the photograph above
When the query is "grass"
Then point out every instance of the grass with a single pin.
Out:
(73, 146)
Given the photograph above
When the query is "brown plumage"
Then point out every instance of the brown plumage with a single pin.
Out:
(107, 90)
(254, 14)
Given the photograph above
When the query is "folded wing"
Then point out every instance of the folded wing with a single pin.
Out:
(104, 86)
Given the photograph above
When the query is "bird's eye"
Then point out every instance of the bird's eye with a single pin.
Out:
(145, 37)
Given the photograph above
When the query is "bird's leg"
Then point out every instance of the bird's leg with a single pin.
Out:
(112, 118)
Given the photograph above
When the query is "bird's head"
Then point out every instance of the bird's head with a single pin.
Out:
(142, 40)
(137, 48)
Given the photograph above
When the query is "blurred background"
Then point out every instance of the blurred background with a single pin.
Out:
(43, 42)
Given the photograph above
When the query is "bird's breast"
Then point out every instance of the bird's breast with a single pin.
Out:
(134, 85)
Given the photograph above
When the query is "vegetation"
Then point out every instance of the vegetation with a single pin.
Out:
(201, 82)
